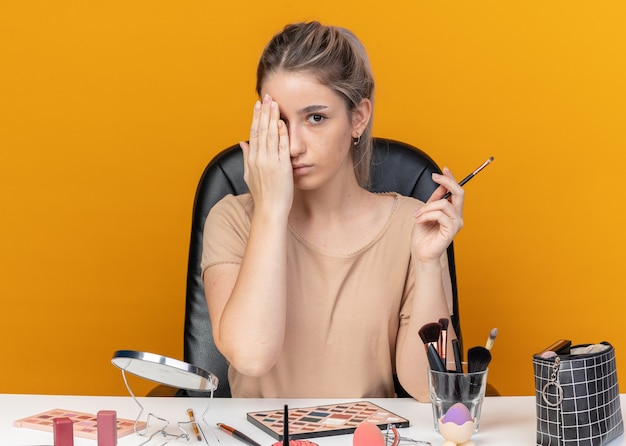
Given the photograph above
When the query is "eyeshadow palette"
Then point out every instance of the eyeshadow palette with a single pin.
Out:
(326, 420)
(85, 424)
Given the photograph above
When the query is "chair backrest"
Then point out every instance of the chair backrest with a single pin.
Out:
(396, 166)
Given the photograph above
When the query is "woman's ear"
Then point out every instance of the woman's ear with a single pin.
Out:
(361, 115)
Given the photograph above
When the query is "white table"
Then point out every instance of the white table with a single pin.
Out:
(505, 420)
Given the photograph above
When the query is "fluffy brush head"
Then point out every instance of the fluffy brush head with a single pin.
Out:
(478, 359)
(430, 332)
(444, 322)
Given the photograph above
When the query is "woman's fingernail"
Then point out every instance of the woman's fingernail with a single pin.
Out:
(266, 99)
(436, 176)
(446, 170)
(257, 106)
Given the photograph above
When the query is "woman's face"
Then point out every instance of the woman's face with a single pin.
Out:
(319, 124)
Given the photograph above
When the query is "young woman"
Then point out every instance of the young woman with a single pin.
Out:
(315, 286)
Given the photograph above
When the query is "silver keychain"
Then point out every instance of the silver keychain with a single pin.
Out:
(554, 381)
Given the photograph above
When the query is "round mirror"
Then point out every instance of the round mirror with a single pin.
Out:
(164, 370)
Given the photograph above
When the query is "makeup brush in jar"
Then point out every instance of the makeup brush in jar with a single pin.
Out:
(429, 333)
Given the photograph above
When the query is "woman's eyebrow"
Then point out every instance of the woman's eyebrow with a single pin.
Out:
(313, 108)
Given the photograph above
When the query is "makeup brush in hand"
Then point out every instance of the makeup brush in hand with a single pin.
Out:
(429, 334)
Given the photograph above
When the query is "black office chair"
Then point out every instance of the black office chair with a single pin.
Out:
(396, 167)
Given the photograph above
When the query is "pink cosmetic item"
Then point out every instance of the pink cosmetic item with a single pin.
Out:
(63, 431)
(107, 428)
(368, 434)
(85, 424)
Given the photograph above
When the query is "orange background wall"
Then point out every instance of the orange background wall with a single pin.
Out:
(109, 111)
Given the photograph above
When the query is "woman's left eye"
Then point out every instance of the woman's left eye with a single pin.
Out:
(315, 119)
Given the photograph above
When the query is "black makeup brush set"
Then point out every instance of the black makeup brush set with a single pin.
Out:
(434, 335)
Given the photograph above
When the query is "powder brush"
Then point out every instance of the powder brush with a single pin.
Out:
(429, 334)
(478, 359)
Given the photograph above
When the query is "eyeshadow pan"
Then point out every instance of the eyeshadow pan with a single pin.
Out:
(310, 419)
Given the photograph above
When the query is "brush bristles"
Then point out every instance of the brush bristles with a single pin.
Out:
(444, 323)
(430, 333)
(491, 339)
(478, 359)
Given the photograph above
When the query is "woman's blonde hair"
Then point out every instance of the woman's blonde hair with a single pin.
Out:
(337, 58)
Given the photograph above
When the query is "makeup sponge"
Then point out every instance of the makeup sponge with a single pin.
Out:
(368, 434)
(458, 414)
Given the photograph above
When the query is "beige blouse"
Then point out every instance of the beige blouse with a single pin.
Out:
(343, 313)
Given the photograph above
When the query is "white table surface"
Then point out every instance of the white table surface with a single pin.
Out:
(505, 420)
